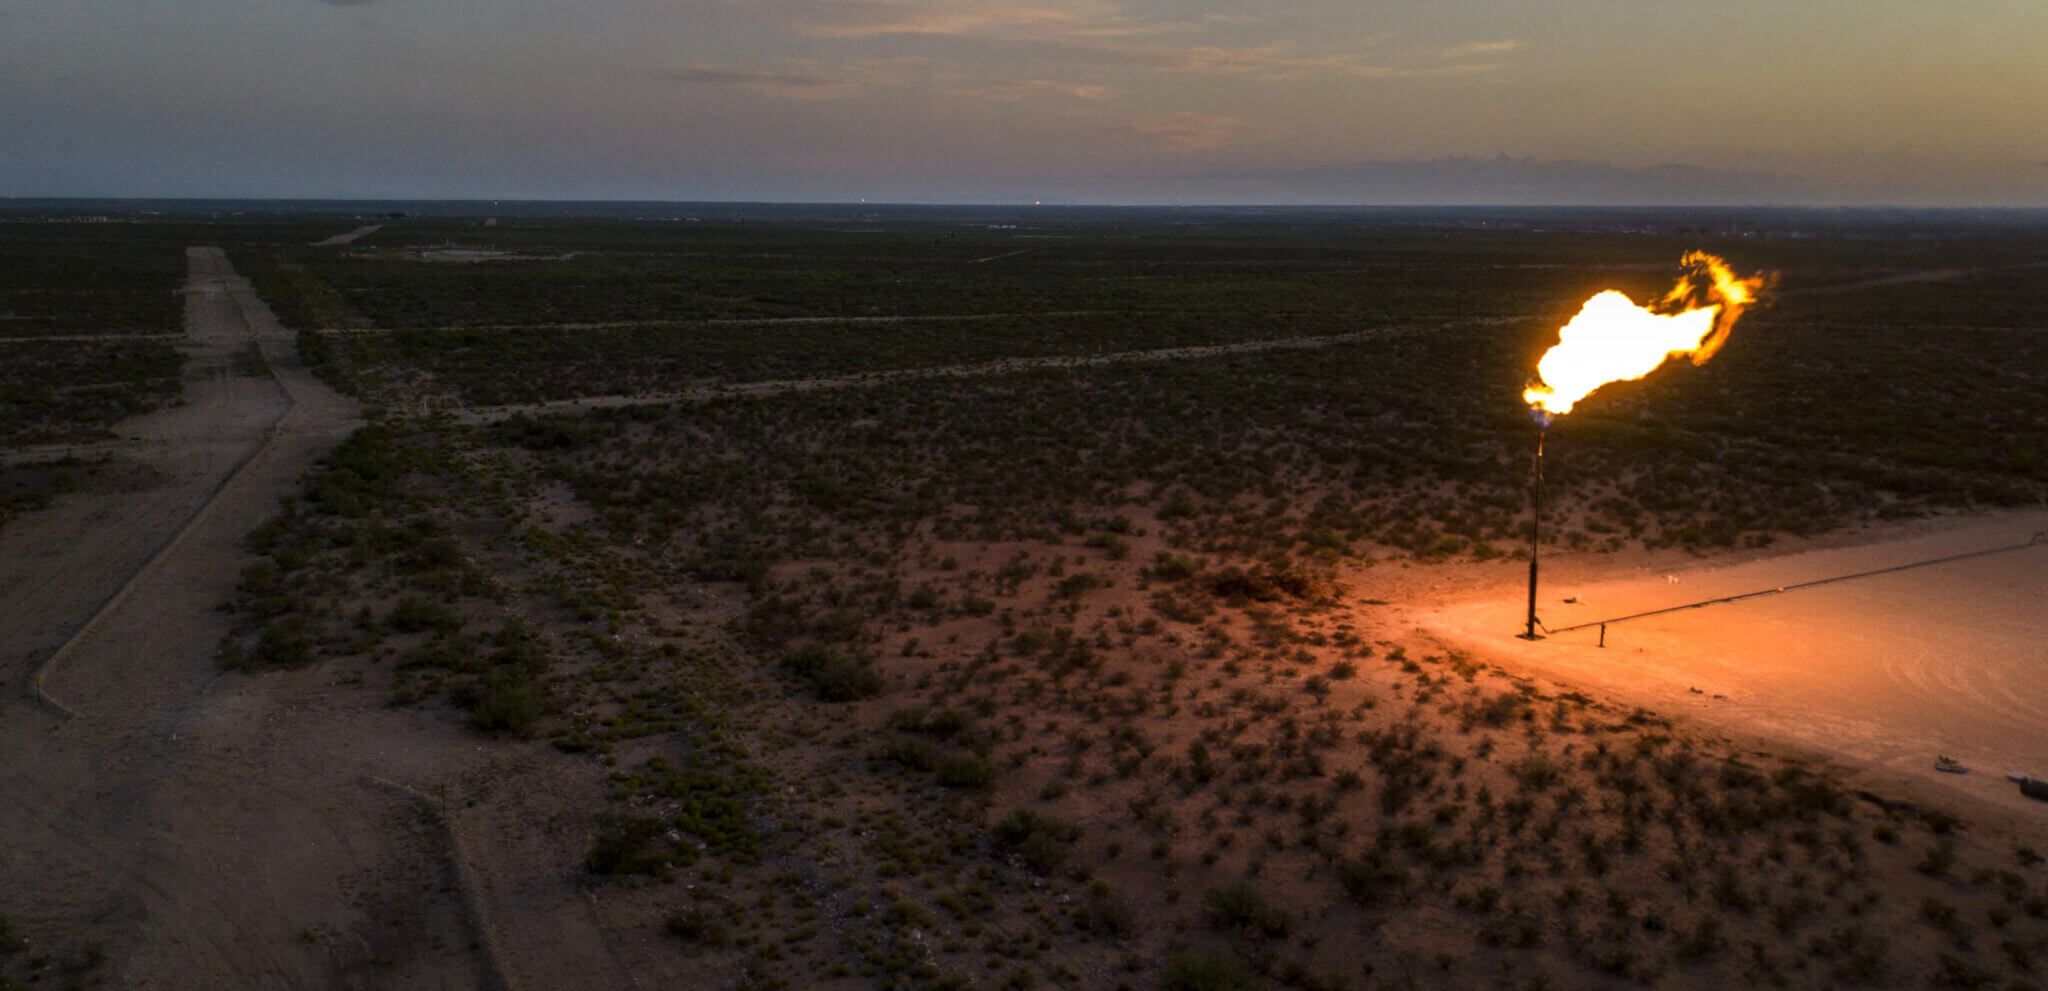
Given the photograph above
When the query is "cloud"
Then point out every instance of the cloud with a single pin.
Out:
(810, 79)
(1101, 33)
(1001, 20)
(1472, 48)
(1012, 92)
(1083, 91)
(1497, 180)
(1188, 131)
(808, 83)
(1286, 60)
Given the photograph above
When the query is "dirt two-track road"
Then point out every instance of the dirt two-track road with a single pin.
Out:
(204, 829)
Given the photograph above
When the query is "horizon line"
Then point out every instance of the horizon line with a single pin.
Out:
(1027, 204)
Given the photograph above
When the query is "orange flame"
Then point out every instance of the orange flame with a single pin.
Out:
(1614, 340)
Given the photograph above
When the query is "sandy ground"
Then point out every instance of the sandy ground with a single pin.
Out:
(1884, 672)
(348, 237)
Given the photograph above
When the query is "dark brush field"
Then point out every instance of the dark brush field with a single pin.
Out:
(915, 602)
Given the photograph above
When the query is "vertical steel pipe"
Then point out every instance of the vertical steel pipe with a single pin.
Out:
(1535, 528)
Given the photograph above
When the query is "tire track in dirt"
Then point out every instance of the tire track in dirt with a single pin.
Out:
(46, 338)
(723, 322)
(348, 237)
(1000, 366)
(472, 889)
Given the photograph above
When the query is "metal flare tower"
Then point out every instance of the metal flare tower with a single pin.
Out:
(1535, 519)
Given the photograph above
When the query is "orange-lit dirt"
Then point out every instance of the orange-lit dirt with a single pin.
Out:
(1887, 671)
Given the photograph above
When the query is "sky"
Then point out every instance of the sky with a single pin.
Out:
(1071, 101)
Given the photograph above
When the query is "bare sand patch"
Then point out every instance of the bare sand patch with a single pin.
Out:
(348, 237)
(1886, 671)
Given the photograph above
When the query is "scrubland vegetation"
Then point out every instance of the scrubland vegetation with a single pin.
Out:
(1053, 678)
(88, 279)
(68, 282)
(1087, 756)
(1058, 677)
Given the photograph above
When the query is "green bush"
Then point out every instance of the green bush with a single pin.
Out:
(833, 676)
(282, 644)
(508, 702)
(1035, 638)
(1041, 842)
(1241, 909)
(1194, 970)
(412, 614)
(1103, 912)
(697, 926)
(911, 752)
(1370, 879)
(1266, 584)
(552, 432)
(360, 471)
(1174, 567)
(967, 771)
(627, 844)
(946, 722)
(1116, 547)
(714, 797)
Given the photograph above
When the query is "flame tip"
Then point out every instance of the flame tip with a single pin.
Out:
(1614, 339)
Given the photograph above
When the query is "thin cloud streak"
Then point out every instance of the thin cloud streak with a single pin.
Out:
(1188, 131)
(1105, 34)
(787, 85)
(1018, 91)
(1002, 21)
(806, 79)
(1283, 60)
(1469, 49)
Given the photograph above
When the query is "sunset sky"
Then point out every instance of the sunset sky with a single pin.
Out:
(1876, 101)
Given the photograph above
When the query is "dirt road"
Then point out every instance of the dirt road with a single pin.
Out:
(187, 822)
(731, 322)
(348, 237)
(1001, 366)
(58, 566)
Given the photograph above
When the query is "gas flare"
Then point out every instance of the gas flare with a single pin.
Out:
(1614, 340)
